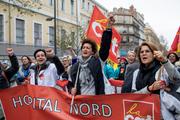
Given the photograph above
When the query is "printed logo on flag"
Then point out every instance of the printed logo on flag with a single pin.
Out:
(97, 25)
(135, 110)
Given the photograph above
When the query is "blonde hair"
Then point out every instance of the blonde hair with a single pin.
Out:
(131, 52)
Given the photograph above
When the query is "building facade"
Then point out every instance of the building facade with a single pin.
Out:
(150, 36)
(130, 25)
(29, 25)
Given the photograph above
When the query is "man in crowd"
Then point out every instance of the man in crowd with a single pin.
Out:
(7, 74)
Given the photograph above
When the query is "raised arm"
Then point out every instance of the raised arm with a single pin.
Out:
(106, 40)
(14, 64)
(171, 70)
(72, 52)
(54, 59)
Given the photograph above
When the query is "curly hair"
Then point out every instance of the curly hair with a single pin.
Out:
(38, 51)
(92, 43)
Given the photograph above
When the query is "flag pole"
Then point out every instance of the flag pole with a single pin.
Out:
(75, 86)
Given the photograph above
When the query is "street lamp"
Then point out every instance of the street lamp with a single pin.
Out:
(50, 19)
(55, 49)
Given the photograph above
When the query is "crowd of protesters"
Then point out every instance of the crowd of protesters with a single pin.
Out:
(145, 70)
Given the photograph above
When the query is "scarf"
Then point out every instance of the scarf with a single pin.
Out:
(85, 75)
(37, 68)
(146, 75)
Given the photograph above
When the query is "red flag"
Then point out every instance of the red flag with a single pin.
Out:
(97, 25)
(116, 83)
(62, 83)
(176, 43)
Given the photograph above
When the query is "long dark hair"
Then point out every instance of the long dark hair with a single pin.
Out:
(30, 61)
(176, 56)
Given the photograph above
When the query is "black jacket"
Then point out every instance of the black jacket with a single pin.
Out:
(58, 64)
(94, 65)
(129, 77)
(10, 72)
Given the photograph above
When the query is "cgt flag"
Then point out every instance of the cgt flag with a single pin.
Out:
(97, 25)
(176, 43)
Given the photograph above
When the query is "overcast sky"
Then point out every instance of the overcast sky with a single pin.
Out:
(162, 15)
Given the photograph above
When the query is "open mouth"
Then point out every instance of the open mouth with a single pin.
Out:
(85, 53)
(144, 58)
(41, 60)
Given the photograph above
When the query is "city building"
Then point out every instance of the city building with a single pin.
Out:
(150, 36)
(28, 25)
(130, 25)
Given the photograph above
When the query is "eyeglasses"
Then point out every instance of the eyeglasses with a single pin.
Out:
(48, 51)
(64, 60)
(172, 56)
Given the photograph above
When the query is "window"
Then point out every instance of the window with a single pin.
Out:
(125, 39)
(20, 31)
(72, 36)
(88, 7)
(51, 36)
(35, 0)
(62, 5)
(51, 2)
(63, 34)
(131, 30)
(72, 7)
(83, 4)
(1, 28)
(63, 38)
(127, 19)
(37, 34)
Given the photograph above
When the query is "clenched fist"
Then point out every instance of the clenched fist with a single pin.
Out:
(159, 56)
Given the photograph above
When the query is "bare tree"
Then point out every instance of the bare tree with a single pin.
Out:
(71, 39)
(23, 6)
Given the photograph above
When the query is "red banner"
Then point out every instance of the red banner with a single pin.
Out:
(97, 25)
(30, 102)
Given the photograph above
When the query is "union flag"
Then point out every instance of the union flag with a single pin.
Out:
(95, 30)
(176, 43)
